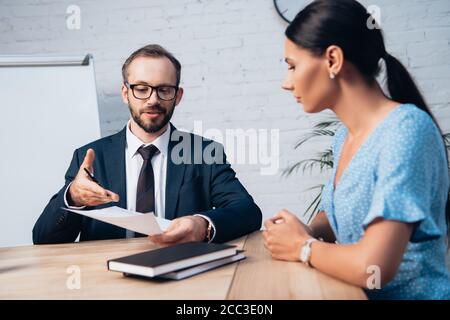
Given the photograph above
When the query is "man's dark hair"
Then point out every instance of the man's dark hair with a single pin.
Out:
(152, 51)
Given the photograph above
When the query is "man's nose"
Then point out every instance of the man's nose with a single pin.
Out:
(153, 99)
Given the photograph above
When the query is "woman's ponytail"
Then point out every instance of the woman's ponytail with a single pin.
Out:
(401, 85)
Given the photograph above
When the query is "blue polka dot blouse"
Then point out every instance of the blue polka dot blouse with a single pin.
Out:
(399, 173)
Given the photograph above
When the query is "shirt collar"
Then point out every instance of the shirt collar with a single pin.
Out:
(134, 143)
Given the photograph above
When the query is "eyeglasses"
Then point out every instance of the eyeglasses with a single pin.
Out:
(145, 91)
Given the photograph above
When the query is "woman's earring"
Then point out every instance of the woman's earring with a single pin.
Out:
(332, 76)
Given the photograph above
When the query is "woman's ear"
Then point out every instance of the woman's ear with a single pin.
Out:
(334, 57)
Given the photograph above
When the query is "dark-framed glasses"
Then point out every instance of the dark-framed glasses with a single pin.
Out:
(145, 91)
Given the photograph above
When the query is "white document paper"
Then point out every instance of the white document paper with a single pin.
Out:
(138, 222)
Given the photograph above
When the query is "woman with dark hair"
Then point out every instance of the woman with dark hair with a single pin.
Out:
(383, 217)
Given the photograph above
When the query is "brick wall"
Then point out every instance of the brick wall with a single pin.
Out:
(232, 56)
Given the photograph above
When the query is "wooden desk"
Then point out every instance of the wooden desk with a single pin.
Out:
(40, 272)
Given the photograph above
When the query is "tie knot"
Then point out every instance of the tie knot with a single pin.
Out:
(148, 152)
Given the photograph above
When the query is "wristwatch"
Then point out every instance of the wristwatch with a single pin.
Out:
(208, 232)
(210, 229)
(305, 251)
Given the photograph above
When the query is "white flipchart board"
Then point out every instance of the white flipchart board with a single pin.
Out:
(48, 108)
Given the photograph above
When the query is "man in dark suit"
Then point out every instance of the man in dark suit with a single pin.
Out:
(150, 166)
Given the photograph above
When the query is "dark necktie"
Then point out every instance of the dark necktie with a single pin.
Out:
(145, 193)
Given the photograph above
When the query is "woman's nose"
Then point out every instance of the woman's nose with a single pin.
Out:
(287, 85)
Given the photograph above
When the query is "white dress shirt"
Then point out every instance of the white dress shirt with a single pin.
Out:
(133, 165)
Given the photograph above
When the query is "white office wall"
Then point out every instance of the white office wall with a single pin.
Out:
(232, 56)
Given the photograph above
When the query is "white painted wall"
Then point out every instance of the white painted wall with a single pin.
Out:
(232, 56)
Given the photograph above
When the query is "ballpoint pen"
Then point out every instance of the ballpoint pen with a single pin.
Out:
(92, 176)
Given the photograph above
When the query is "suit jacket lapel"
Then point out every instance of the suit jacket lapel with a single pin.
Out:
(174, 179)
(114, 158)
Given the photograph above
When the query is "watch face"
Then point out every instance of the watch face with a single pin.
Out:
(304, 254)
(288, 9)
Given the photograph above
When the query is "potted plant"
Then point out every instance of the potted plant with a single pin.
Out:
(323, 160)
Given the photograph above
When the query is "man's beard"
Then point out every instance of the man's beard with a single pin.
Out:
(152, 126)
